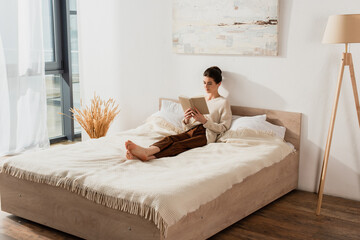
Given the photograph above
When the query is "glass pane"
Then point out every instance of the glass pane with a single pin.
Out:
(54, 106)
(48, 30)
(72, 5)
(75, 66)
(74, 39)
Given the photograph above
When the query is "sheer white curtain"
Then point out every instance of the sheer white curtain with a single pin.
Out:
(23, 112)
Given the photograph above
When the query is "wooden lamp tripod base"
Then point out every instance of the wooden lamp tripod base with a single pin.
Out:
(346, 61)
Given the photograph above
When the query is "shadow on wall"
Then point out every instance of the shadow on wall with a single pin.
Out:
(310, 160)
(241, 91)
(336, 183)
(285, 7)
(338, 175)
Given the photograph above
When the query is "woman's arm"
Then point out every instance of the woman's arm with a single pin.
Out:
(224, 123)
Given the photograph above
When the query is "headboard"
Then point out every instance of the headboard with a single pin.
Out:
(290, 120)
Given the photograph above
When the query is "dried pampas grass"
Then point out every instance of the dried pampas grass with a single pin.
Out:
(96, 120)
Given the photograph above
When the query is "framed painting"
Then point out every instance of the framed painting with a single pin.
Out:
(242, 27)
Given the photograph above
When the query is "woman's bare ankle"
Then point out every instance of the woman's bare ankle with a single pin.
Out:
(152, 150)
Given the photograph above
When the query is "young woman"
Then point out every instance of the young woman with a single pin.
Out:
(200, 129)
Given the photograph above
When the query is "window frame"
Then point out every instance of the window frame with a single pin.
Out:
(62, 66)
(56, 65)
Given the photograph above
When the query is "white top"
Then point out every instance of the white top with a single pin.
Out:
(218, 121)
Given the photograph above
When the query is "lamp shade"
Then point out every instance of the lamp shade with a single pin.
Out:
(342, 29)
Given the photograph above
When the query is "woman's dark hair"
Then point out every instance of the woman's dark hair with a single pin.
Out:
(214, 73)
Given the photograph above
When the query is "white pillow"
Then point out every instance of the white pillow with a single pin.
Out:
(170, 106)
(258, 124)
(171, 112)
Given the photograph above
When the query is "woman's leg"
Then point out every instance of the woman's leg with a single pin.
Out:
(169, 140)
(197, 138)
(182, 146)
(135, 151)
(170, 145)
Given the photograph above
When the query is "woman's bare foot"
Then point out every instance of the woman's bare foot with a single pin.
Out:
(136, 151)
(129, 155)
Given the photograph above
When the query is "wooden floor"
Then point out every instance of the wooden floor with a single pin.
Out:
(291, 217)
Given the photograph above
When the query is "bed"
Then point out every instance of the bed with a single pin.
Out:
(67, 211)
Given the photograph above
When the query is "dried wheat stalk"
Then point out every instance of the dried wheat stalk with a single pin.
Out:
(96, 120)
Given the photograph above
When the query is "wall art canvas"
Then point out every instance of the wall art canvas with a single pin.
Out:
(242, 27)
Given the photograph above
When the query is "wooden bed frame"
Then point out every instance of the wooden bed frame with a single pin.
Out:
(71, 213)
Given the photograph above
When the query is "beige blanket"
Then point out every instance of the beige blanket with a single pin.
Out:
(162, 190)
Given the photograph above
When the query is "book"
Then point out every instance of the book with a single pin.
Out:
(194, 102)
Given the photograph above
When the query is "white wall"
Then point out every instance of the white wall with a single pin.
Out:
(126, 53)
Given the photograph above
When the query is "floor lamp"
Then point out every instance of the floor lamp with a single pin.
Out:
(340, 29)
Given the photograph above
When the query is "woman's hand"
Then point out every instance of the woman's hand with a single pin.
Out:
(187, 115)
(198, 116)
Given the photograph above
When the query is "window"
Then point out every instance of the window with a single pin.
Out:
(61, 67)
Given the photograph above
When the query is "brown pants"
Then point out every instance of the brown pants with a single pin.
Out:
(175, 144)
